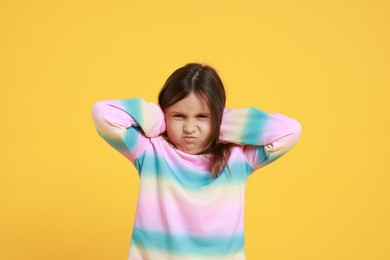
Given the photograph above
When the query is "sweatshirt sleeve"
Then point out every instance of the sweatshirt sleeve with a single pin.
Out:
(265, 137)
(127, 124)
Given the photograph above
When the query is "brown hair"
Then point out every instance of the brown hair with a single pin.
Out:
(204, 81)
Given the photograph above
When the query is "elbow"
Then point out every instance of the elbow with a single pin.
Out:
(99, 113)
(296, 131)
(287, 142)
(98, 109)
(97, 116)
(97, 106)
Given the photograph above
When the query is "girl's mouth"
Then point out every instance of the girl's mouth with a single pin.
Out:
(189, 138)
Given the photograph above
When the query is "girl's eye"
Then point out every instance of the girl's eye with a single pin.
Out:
(178, 116)
(202, 116)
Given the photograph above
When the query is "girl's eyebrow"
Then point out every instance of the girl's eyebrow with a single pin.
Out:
(175, 112)
(184, 113)
(204, 113)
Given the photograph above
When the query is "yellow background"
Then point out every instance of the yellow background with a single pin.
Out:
(65, 194)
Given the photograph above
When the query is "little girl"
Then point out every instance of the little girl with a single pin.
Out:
(193, 156)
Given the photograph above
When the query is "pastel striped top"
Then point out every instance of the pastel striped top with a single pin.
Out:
(182, 212)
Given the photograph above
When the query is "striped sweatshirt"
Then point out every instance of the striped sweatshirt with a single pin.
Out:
(182, 212)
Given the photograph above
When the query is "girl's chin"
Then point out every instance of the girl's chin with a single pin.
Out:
(190, 150)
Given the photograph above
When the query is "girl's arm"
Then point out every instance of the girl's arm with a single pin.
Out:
(266, 137)
(126, 124)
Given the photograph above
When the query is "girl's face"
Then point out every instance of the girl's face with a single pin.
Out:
(189, 124)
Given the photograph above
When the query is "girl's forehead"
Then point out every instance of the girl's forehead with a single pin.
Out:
(191, 102)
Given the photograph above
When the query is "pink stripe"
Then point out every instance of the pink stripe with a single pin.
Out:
(277, 127)
(207, 217)
(175, 156)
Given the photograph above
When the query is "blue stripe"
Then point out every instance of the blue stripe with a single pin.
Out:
(261, 155)
(254, 126)
(133, 106)
(128, 141)
(181, 244)
(190, 178)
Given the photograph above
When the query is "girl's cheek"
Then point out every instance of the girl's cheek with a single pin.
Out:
(174, 125)
(171, 121)
(206, 125)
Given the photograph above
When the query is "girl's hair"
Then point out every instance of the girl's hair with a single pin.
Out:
(204, 81)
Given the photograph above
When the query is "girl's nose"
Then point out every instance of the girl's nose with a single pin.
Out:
(189, 126)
